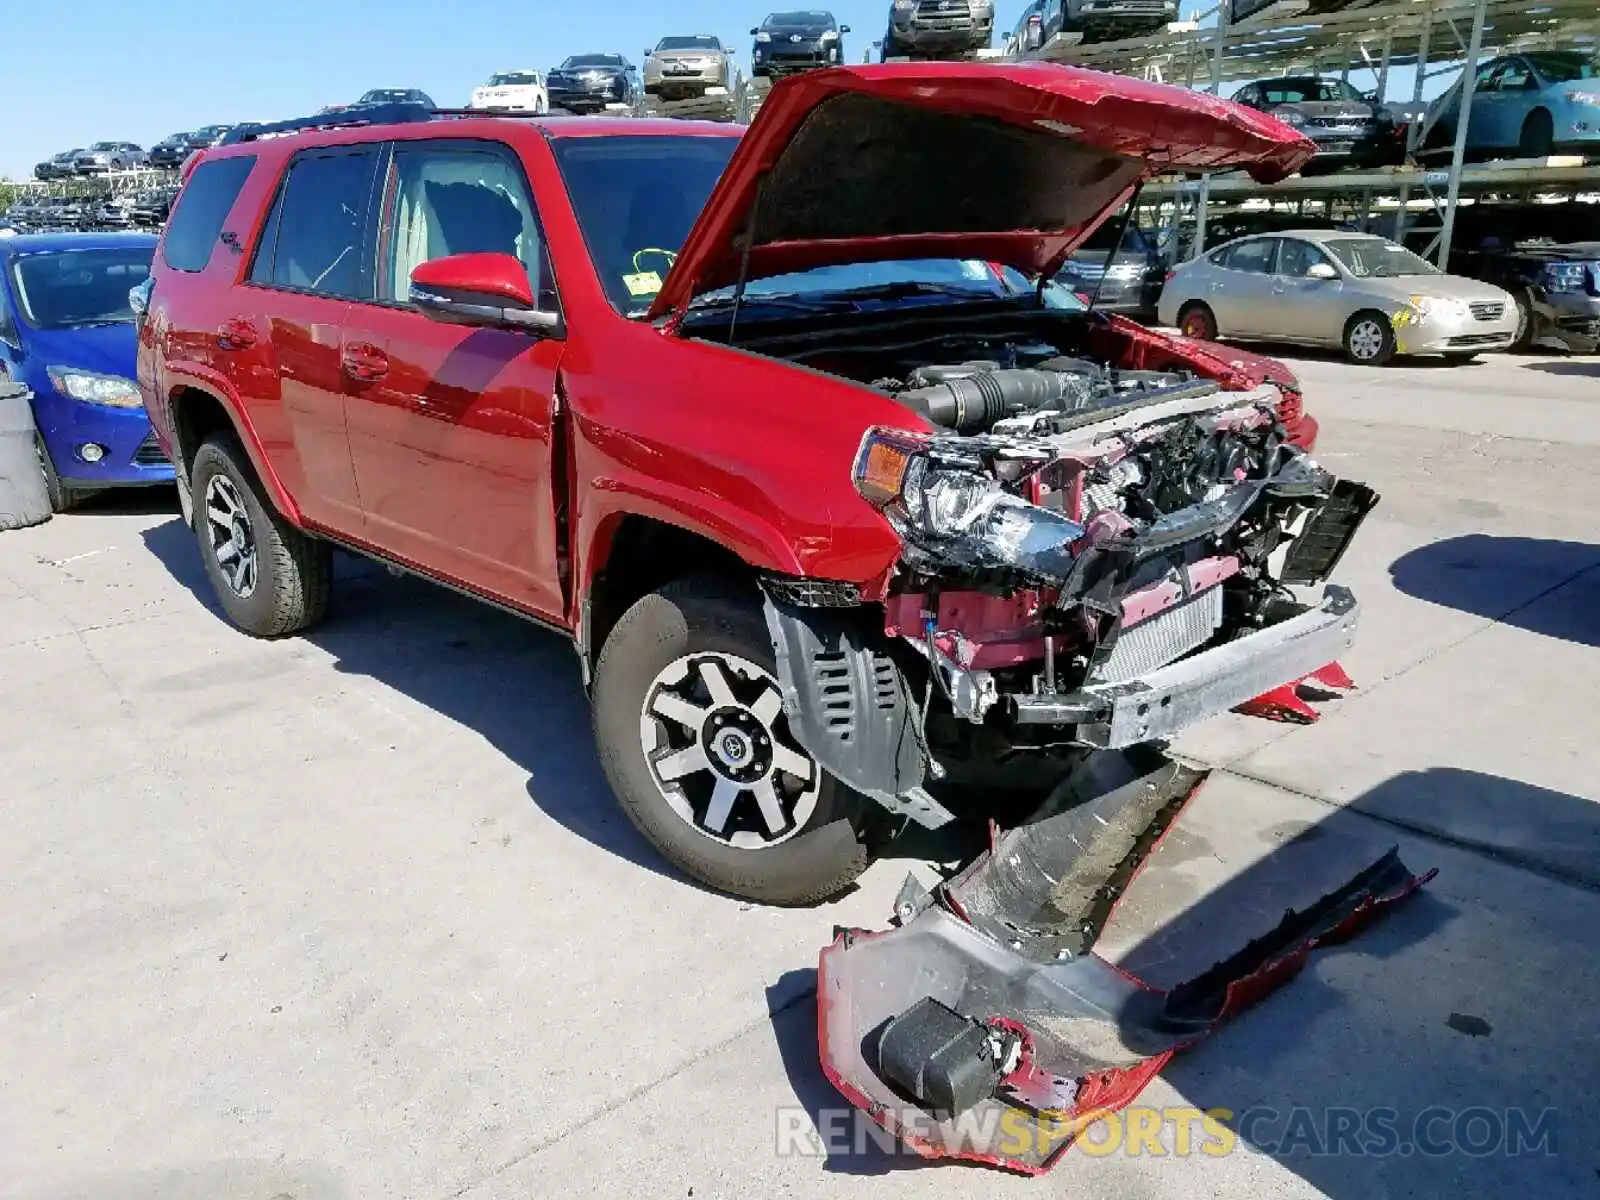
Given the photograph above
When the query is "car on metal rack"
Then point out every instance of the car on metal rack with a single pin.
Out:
(67, 331)
(1347, 127)
(681, 67)
(152, 206)
(207, 135)
(796, 40)
(592, 83)
(1093, 20)
(103, 157)
(57, 166)
(1365, 294)
(393, 96)
(1244, 10)
(938, 28)
(1530, 104)
(168, 154)
(1121, 274)
(512, 91)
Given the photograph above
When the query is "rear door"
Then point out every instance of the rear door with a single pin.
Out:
(312, 265)
(452, 427)
(1241, 289)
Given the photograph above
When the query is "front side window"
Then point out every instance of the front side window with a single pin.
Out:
(201, 208)
(1374, 258)
(315, 240)
(1296, 258)
(1564, 66)
(636, 198)
(448, 200)
(72, 288)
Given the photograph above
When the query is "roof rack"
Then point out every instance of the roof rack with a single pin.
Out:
(405, 112)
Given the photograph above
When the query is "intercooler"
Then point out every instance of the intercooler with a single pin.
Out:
(1161, 639)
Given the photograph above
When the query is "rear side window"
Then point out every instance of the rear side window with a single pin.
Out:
(202, 206)
(316, 239)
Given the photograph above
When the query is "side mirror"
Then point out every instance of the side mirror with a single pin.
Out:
(755, 31)
(844, 29)
(648, 51)
(479, 289)
(1321, 270)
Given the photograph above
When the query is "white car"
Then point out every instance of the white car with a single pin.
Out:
(513, 91)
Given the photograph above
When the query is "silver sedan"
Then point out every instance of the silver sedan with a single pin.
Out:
(1321, 287)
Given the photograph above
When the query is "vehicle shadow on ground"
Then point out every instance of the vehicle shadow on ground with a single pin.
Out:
(1586, 367)
(1453, 1009)
(1490, 577)
(515, 684)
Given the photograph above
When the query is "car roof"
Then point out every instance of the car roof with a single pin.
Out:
(34, 243)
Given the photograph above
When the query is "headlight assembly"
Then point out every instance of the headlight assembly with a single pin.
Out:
(1438, 306)
(91, 387)
(959, 505)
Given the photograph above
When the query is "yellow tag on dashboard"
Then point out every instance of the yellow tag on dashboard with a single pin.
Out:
(645, 283)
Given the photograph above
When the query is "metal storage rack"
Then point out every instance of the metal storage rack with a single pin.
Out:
(1374, 36)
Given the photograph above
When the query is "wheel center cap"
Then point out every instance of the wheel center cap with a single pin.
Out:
(239, 533)
(735, 747)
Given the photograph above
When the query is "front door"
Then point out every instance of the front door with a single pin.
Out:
(1306, 309)
(452, 427)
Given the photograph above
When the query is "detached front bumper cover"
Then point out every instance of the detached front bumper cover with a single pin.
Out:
(984, 1029)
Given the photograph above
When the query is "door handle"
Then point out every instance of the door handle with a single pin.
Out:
(364, 362)
(236, 333)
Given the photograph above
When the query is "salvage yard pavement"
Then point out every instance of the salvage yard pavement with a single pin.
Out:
(354, 915)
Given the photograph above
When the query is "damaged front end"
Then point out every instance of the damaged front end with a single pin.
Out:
(1092, 558)
(985, 1028)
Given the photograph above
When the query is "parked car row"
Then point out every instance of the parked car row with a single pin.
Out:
(51, 214)
(102, 158)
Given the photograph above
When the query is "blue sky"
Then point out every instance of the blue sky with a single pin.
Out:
(138, 70)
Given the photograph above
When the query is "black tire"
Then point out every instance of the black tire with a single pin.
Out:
(293, 573)
(1196, 320)
(1356, 340)
(1538, 135)
(1526, 321)
(704, 616)
(63, 497)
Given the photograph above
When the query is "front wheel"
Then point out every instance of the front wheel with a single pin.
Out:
(693, 739)
(1538, 135)
(63, 497)
(1369, 339)
(270, 578)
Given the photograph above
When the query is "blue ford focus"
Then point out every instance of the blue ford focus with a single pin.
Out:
(67, 332)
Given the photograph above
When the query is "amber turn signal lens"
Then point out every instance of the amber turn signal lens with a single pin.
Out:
(881, 466)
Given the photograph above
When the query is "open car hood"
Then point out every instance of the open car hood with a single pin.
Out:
(1013, 164)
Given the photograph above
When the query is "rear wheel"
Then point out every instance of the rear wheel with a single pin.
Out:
(270, 578)
(1369, 339)
(692, 735)
(1197, 321)
(1538, 135)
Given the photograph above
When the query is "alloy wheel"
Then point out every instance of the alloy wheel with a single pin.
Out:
(719, 748)
(1366, 340)
(231, 535)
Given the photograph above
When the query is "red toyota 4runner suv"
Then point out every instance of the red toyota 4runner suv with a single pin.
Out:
(847, 510)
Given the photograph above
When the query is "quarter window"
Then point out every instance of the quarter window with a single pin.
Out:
(315, 240)
(200, 209)
(459, 200)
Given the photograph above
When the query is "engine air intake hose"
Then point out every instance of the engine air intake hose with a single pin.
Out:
(977, 401)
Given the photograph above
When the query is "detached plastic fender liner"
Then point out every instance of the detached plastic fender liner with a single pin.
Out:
(1094, 1036)
(850, 706)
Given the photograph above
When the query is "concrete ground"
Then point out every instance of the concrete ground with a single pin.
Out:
(354, 916)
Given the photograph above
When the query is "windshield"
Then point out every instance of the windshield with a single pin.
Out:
(593, 60)
(1563, 66)
(636, 198)
(799, 20)
(104, 146)
(1308, 91)
(515, 79)
(1105, 238)
(382, 94)
(688, 43)
(63, 288)
(1374, 258)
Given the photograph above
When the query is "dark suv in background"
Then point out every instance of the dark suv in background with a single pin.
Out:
(801, 40)
(587, 83)
(1122, 276)
(1548, 257)
(1347, 127)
